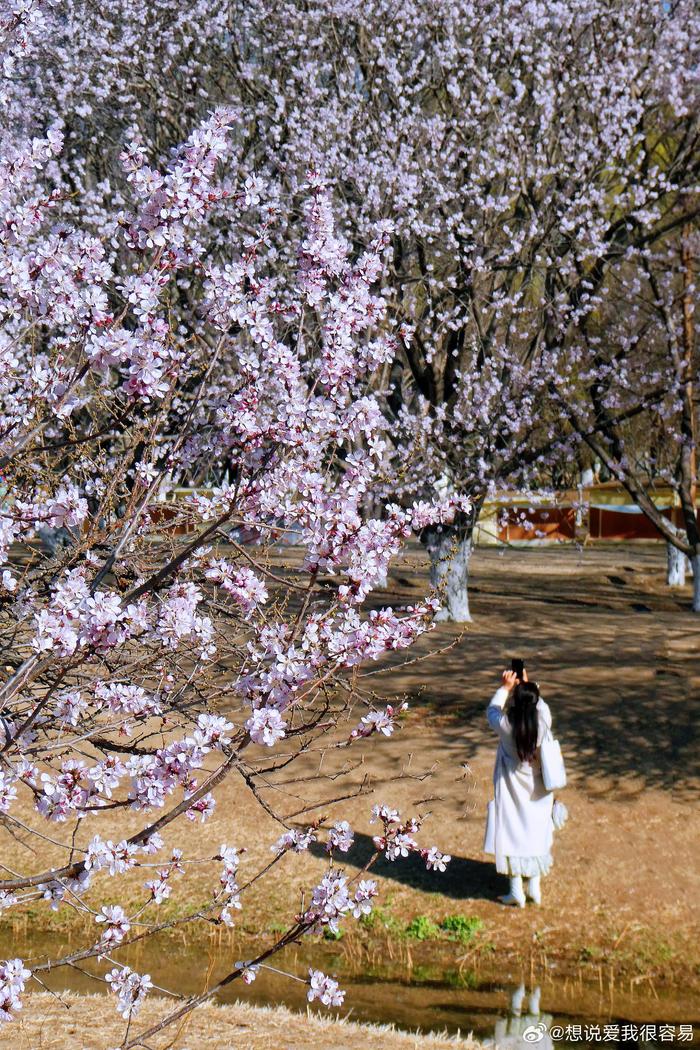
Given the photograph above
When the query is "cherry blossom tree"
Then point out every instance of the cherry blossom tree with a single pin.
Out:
(524, 151)
(519, 150)
(492, 433)
(634, 400)
(153, 655)
(316, 259)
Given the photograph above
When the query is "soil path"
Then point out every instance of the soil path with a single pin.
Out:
(617, 655)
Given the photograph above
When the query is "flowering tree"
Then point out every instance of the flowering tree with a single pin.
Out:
(492, 432)
(488, 199)
(637, 404)
(153, 655)
(519, 149)
(531, 157)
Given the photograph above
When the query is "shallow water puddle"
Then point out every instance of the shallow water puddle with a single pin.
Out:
(502, 1010)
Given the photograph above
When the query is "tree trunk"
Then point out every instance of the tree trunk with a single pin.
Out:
(449, 549)
(695, 566)
(675, 562)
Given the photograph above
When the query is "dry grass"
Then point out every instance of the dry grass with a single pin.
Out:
(89, 1022)
(620, 681)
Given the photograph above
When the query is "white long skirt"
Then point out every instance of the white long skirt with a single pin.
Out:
(519, 829)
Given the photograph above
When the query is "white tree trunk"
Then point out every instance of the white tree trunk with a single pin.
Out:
(449, 552)
(695, 566)
(675, 562)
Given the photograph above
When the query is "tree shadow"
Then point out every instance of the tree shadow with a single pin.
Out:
(619, 682)
(464, 878)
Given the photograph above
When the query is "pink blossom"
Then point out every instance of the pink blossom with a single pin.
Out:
(131, 988)
(249, 971)
(436, 860)
(364, 894)
(378, 721)
(8, 791)
(266, 726)
(67, 507)
(324, 988)
(202, 809)
(70, 706)
(340, 837)
(116, 925)
(13, 975)
(296, 840)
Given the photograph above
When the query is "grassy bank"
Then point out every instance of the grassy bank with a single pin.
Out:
(72, 1024)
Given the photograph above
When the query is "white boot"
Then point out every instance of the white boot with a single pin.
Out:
(533, 889)
(516, 896)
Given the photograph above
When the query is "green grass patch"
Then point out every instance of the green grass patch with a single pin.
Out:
(422, 928)
(462, 928)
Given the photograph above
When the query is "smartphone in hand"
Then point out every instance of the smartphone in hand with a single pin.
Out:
(518, 666)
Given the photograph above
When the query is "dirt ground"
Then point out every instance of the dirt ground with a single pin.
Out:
(617, 656)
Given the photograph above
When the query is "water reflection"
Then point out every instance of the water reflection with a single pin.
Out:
(522, 1028)
(526, 1026)
(433, 997)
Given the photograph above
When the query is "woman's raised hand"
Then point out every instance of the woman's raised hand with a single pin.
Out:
(510, 679)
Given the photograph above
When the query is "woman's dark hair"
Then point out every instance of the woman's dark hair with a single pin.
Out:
(523, 718)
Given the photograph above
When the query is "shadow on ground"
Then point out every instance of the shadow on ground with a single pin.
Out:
(616, 654)
(464, 877)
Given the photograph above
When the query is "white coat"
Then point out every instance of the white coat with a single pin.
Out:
(522, 830)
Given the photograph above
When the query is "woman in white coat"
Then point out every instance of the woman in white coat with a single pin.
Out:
(519, 832)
